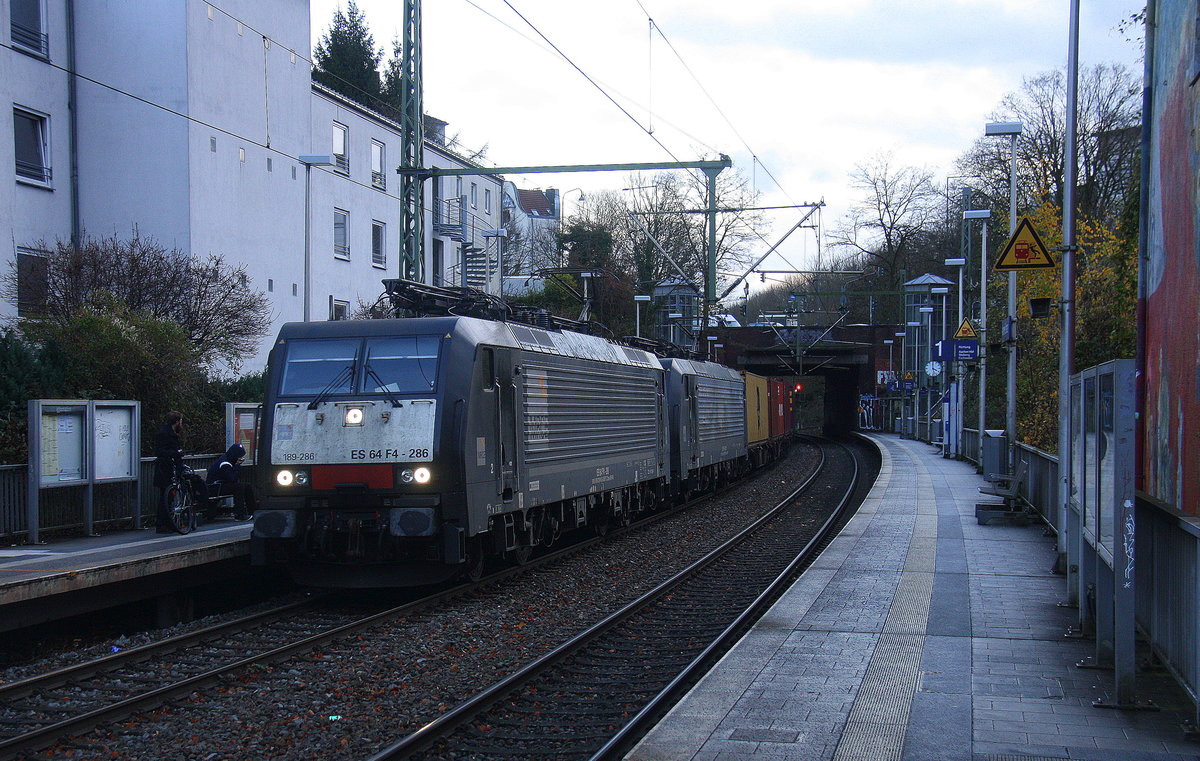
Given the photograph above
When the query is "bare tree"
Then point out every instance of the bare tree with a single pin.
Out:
(212, 301)
(900, 205)
(1108, 114)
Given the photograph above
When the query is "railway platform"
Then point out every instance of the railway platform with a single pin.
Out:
(920, 635)
(40, 583)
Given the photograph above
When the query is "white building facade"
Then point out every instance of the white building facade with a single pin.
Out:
(186, 122)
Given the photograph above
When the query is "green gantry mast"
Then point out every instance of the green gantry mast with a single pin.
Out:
(412, 149)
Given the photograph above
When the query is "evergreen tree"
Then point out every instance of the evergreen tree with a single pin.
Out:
(346, 57)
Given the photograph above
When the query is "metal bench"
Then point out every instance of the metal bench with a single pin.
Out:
(1006, 486)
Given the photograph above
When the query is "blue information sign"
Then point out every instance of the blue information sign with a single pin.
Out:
(944, 351)
(966, 349)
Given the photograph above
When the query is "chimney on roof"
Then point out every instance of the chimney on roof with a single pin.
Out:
(552, 197)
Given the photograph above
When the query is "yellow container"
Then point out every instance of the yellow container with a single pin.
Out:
(757, 426)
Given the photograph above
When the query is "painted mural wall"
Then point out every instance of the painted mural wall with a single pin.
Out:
(1172, 412)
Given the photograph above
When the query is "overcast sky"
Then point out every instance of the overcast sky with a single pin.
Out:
(811, 87)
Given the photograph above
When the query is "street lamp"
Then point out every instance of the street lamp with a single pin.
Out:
(956, 403)
(1010, 130)
(674, 318)
(985, 215)
(943, 377)
(562, 217)
(924, 370)
(637, 303)
(309, 160)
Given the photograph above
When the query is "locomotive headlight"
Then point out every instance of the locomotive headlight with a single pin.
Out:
(406, 476)
(301, 478)
(285, 477)
(354, 416)
(422, 475)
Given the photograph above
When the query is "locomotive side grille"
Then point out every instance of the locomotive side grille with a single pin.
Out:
(573, 412)
(720, 409)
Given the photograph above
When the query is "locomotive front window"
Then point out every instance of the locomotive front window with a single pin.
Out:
(317, 366)
(403, 365)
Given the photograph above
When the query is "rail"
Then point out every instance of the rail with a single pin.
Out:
(61, 509)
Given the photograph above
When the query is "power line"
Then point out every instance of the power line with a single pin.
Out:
(654, 25)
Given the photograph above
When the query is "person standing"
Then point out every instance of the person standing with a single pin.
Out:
(168, 458)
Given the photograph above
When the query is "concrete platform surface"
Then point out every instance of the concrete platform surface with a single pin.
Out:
(29, 572)
(920, 635)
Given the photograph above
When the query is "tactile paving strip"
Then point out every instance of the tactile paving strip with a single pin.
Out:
(878, 720)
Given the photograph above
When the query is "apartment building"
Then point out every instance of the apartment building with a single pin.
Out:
(186, 122)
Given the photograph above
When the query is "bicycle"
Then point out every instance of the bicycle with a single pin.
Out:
(184, 497)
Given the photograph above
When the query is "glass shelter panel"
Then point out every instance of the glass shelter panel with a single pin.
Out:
(1105, 451)
(1088, 481)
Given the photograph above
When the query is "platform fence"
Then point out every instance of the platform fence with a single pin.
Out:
(61, 509)
(1167, 548)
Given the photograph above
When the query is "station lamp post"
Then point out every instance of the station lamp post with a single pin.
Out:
(924, 370)
(1010, 130)
(309, 160)
(985, 215)
(944, 375)
(900, 379)
(914, 369)
(637, 303)
(562, 217)
(956, 401)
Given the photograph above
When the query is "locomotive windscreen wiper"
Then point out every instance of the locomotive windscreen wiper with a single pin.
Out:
(370, 372)
(346, 373)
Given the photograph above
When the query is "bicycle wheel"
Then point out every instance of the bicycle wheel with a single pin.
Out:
(180, 507)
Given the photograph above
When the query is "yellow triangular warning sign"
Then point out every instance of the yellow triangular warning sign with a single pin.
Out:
(966, 330)
(1024, 250)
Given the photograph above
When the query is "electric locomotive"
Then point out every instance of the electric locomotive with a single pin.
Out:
(405, 451)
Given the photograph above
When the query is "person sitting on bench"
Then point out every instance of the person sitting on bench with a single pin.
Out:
(223, 481)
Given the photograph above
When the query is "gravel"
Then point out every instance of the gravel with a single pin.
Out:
(351, 698)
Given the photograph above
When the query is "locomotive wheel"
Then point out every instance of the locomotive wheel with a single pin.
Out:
(522, 554)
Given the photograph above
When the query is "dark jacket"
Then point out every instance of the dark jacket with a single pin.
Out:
(226, 469)
(168, 453)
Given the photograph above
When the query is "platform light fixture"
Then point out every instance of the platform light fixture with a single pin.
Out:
(1011, 130)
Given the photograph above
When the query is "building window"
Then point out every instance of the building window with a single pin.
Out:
(212, 144)
(269, 169)
(295, 289)
(458, 196)
(340, 158)
(32, 142)
(270, 285)
(242, 155)
(378, 179)
(338, 310)
(487, 200)
(29, 27)
(341, 228)
(474, 196)
(32, 271)
(378, 254)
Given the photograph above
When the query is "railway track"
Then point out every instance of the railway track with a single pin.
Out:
(593, 696)
(37, 711)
